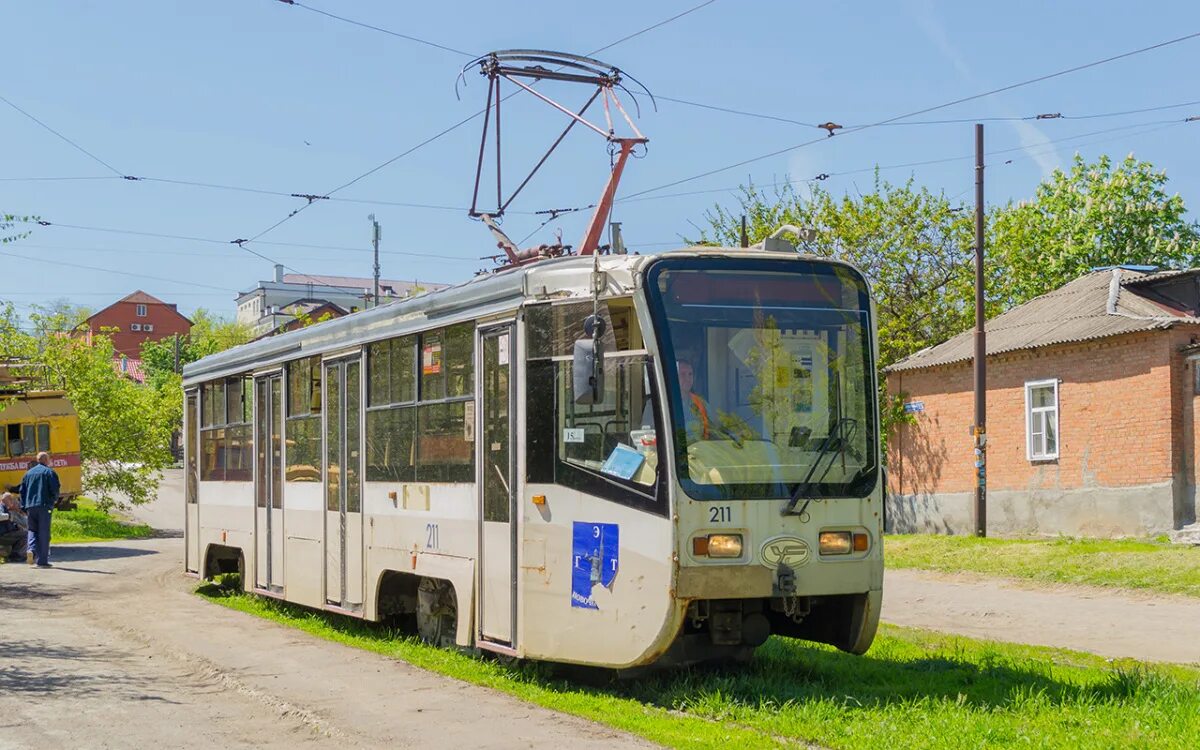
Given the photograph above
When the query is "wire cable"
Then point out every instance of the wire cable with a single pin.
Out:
(7, 254)
(652, 27)
(886, 167)
(455, 126)
(380, 29)
(922, 111)
(209, 240)
(72, 143)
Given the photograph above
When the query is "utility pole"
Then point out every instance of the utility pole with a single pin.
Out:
(177, 354)
(375, 242)
(980, 428)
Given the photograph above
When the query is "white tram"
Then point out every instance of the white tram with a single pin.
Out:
(698, 471)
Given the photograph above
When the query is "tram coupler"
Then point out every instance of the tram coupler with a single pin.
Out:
(785, 581)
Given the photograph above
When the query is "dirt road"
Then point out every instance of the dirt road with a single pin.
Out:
(110, 649)
(1151, 627)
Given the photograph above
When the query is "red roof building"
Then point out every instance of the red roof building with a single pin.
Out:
(135, 319)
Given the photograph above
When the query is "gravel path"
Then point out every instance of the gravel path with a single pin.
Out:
(1112, 623)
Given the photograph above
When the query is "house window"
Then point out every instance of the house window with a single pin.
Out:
(1041, 420)
(135, 326)
(141, 311)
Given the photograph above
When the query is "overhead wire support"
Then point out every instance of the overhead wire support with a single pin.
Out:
(513, 65)
(461, 122)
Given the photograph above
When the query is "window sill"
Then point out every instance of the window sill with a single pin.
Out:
(1044, 460)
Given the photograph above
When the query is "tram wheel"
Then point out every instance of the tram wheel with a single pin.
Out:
(437, 612)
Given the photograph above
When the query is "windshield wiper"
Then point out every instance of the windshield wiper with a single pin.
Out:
(838, 438)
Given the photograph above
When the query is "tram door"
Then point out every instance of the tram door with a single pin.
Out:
(496, 459)
(268, 482)
(343, 485)
(191, 489)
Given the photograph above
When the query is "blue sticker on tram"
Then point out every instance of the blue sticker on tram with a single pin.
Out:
(594, 554)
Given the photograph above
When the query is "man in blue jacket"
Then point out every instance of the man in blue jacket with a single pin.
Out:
(39, 493)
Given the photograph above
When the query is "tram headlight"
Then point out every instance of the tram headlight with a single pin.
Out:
(835, 542)
(724, 545)
(717, 545)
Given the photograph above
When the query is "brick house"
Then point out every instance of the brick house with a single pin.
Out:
(1092, 395)
(136, 318)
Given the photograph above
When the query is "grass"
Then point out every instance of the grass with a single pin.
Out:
(1154, 565)
(913, 689)
(86, 523)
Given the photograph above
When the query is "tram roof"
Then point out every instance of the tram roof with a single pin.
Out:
(480, 297)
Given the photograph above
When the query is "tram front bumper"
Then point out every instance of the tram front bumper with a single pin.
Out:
(752, 581)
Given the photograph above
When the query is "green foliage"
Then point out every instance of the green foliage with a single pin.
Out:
(124, 428)
(6, 224)
(209, 334)
(58, 316)
(1123, 563)
(917, 247)
(913, 245)
(1099, 214)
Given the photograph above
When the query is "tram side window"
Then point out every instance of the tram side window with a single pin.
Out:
(607, 448)
(43, 436)
(417, 425)
(226, 435)
(303, 427)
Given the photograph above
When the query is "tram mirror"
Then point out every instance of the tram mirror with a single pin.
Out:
(588, 371)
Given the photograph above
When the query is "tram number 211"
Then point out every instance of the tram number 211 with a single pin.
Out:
(720, 514)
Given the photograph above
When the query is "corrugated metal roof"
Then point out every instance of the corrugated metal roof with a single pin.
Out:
(1077, 311)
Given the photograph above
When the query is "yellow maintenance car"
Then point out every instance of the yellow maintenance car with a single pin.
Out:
(39, 421)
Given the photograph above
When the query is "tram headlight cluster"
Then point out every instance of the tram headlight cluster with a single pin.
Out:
(842, 542)
(717, 545)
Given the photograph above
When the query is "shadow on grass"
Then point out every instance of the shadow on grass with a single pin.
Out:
(788, 672)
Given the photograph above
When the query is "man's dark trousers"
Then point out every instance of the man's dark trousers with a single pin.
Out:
(39, 534)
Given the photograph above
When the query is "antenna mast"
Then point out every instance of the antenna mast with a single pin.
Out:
(517, 66)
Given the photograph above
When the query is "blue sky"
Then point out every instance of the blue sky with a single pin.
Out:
(263, 95)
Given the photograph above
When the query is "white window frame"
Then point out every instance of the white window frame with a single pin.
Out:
(141, 311)
(1029, 410)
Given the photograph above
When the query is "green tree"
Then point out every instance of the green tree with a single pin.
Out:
(57, 316)
(124, 428)
(1098, 214)
(209, 334)
(913, 245)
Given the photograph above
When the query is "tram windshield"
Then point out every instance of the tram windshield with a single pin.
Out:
(769, 376)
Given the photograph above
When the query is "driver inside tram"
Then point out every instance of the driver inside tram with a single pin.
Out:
(696, 408)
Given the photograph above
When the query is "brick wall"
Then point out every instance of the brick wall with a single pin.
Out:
(165, 320)
(1125, 421)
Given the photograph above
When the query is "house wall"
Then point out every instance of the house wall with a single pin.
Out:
(1126, 447)
(164, 318)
